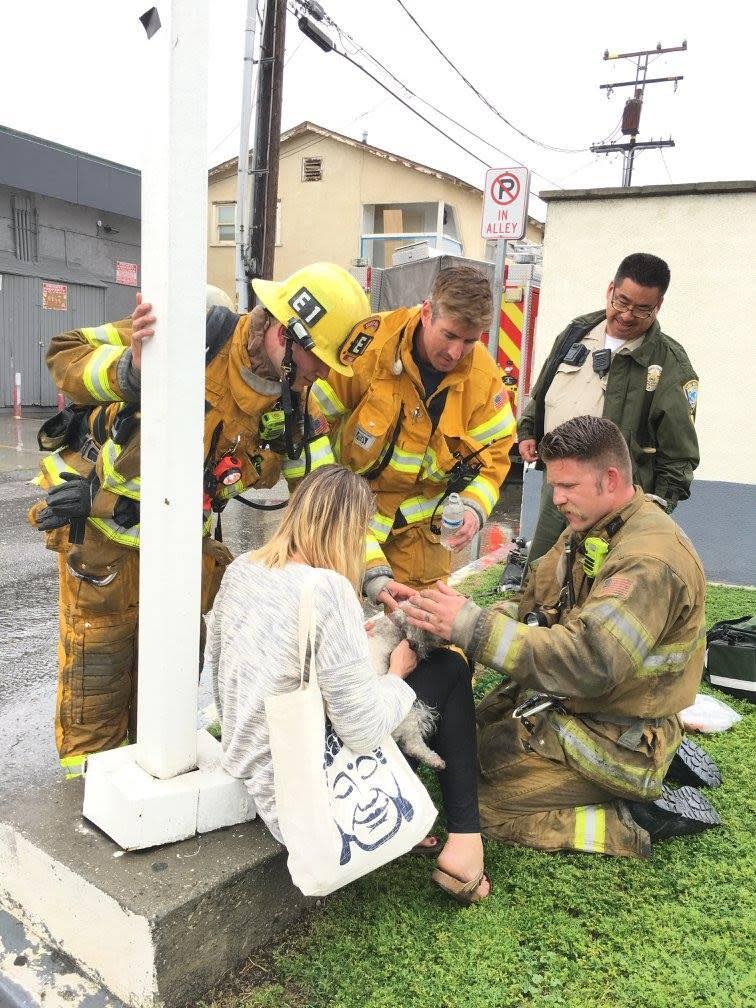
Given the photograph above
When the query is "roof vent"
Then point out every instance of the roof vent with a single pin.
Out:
(312, 169)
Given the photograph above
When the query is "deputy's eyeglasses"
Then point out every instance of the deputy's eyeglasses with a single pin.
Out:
(639, 313)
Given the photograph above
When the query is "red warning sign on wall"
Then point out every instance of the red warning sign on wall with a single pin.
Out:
(126, 273)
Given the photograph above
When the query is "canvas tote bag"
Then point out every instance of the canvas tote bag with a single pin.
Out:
(342, 814)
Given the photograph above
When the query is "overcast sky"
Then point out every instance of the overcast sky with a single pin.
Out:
(70, 72)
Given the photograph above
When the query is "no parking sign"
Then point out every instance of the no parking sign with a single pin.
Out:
(505, 203)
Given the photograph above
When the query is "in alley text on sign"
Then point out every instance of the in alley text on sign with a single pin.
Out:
(505, 203)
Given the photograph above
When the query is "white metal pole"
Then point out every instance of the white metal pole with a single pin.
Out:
(242, 176)
(174, 270)
(498, 294)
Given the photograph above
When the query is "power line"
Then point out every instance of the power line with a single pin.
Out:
(408, 106)
(486, 102)
(361, 49)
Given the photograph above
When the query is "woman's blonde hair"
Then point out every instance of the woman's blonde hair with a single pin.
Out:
(325, 524)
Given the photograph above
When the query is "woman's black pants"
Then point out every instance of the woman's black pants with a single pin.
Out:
(443, 680)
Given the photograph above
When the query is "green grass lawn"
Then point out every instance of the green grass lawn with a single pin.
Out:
(559, 931)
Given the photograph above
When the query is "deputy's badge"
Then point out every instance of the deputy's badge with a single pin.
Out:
(691, 394)
(362, 439)
(652, 376)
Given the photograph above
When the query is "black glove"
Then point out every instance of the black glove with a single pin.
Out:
(68, 501)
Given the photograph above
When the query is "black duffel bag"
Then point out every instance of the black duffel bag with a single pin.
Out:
(731, 657)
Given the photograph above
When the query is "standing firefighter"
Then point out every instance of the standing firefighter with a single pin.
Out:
(254, 432)
(425, 414)
(574, 752)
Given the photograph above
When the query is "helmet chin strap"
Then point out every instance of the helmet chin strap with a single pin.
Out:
(290, 401)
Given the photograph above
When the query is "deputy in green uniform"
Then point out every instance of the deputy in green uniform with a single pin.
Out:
(617, 363)
(574, 750)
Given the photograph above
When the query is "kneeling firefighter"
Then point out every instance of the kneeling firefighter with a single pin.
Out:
(255, 431)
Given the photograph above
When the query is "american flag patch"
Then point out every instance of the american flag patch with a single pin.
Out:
(317, 425)
(616, 586)
(499, 399)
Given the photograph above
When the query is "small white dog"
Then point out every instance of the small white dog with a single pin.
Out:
(420, 722)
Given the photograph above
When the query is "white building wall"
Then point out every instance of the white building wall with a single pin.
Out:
(709, 241)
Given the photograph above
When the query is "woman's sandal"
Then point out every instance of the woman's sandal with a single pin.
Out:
(465, 893)
(426, 850)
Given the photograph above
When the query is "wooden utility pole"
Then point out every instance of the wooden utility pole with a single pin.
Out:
(262, 229)
(632, 112)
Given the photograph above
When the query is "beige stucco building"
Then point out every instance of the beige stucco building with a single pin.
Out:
(340, 199)
(705, 232)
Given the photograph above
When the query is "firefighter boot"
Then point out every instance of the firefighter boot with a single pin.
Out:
(674, 814)
(691, 765)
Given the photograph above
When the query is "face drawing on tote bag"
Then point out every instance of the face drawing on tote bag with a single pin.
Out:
(367, 802)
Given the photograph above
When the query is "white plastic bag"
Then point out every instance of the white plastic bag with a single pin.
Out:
(709, 715)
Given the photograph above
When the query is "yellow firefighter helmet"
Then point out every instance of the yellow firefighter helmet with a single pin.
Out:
(327, 301)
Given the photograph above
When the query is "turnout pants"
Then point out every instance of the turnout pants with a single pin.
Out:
(416, 556)
(561, 786)
(97, 647)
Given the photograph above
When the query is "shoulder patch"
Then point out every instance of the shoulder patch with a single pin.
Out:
(690, 389)
(499, 399)
(615, 586)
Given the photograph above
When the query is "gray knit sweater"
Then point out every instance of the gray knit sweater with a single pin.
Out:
(252, 652)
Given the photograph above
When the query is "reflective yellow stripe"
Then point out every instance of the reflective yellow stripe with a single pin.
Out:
(405, 462)
(503, 643)
(672, 657)
(102, 334)
(320, 454)
(95, 375)
(73, 766)
(590, 828)
(430, 469)
(498, 426)
(111, 478)
(54, 466)
(417, 509)
(327, 399)
(483, 492)
(224, 492)
(112, 530)
(616, 619)
(380, 526)
(373, 551)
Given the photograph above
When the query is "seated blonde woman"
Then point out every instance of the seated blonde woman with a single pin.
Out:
(253, 652)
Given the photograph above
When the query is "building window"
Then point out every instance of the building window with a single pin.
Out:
(225, 223)
(312, 169)
(25, 229)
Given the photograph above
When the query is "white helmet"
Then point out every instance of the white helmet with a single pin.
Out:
(216, 296)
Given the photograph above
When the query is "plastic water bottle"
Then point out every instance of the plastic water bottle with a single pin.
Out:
(451, 518)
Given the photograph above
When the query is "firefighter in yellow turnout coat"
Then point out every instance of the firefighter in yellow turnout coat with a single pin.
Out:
(425, 401)
(574, 750)
(92, 473)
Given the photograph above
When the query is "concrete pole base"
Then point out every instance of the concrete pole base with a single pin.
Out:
(137, 810)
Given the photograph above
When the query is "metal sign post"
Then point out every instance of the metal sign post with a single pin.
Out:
(505, 216)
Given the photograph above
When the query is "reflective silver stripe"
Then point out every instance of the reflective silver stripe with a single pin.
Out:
(597, 765)
(590, 828)
(112, 530)
(95, 375)
(623, 626)
(417, 509)
(497, 657)
(327, 399)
